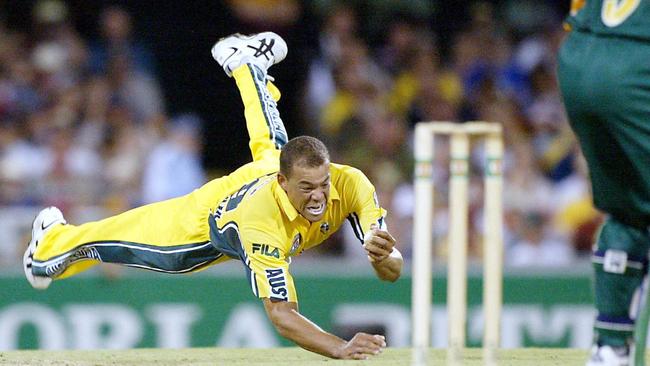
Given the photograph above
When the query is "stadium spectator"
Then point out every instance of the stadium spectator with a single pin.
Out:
(124, 153)
(133, 89)
(339, 25)
(116, 29)
(266, 14)
(538, 247)
(173, 168)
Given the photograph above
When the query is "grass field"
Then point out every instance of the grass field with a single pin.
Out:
(276, 356)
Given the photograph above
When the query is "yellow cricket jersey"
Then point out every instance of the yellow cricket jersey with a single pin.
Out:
(245, 215)
(256, 222)
(258, 225)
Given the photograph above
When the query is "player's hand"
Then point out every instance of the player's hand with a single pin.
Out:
(361, 346)
(378, 244)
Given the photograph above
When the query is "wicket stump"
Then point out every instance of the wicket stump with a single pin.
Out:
(460, 134)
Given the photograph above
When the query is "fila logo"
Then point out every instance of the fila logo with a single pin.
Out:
(265, 249)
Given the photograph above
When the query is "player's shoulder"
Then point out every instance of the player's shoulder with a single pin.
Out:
(343, 170)
(260, 210)
(262, 190)
(344, 173)
(259, 200)
(349, 182)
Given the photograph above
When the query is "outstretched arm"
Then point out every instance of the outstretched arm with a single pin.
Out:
(272, 282)
(382, 254)
(295, 327)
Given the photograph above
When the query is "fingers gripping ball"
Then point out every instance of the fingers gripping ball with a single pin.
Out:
(378, 244)
(367, 238)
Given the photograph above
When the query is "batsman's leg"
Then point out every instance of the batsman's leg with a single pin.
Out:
(620, 265)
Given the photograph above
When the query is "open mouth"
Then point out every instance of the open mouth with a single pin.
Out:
(316, 210)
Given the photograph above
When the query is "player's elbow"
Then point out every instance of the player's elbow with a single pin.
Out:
(277, 318)
(280, 317)
(282, 327)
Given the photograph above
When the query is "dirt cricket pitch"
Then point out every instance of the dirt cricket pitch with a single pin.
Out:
(277, 356)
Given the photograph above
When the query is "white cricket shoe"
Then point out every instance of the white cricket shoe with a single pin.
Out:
(44, 222)
(609, 356)
(262, 49)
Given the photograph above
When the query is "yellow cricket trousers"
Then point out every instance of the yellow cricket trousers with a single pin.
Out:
(171, 236)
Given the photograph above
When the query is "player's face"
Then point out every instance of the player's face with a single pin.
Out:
(308, 189)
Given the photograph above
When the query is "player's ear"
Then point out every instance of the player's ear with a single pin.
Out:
(283, 181)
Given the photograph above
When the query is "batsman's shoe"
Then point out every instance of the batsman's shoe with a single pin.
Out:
(604, 355)
(262, 49)
(44, 222)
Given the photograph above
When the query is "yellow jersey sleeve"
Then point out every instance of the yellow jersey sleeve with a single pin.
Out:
(268, 266)
(364, 209)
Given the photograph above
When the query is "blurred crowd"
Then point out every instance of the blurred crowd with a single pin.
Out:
(83, 123)
(367, 98)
